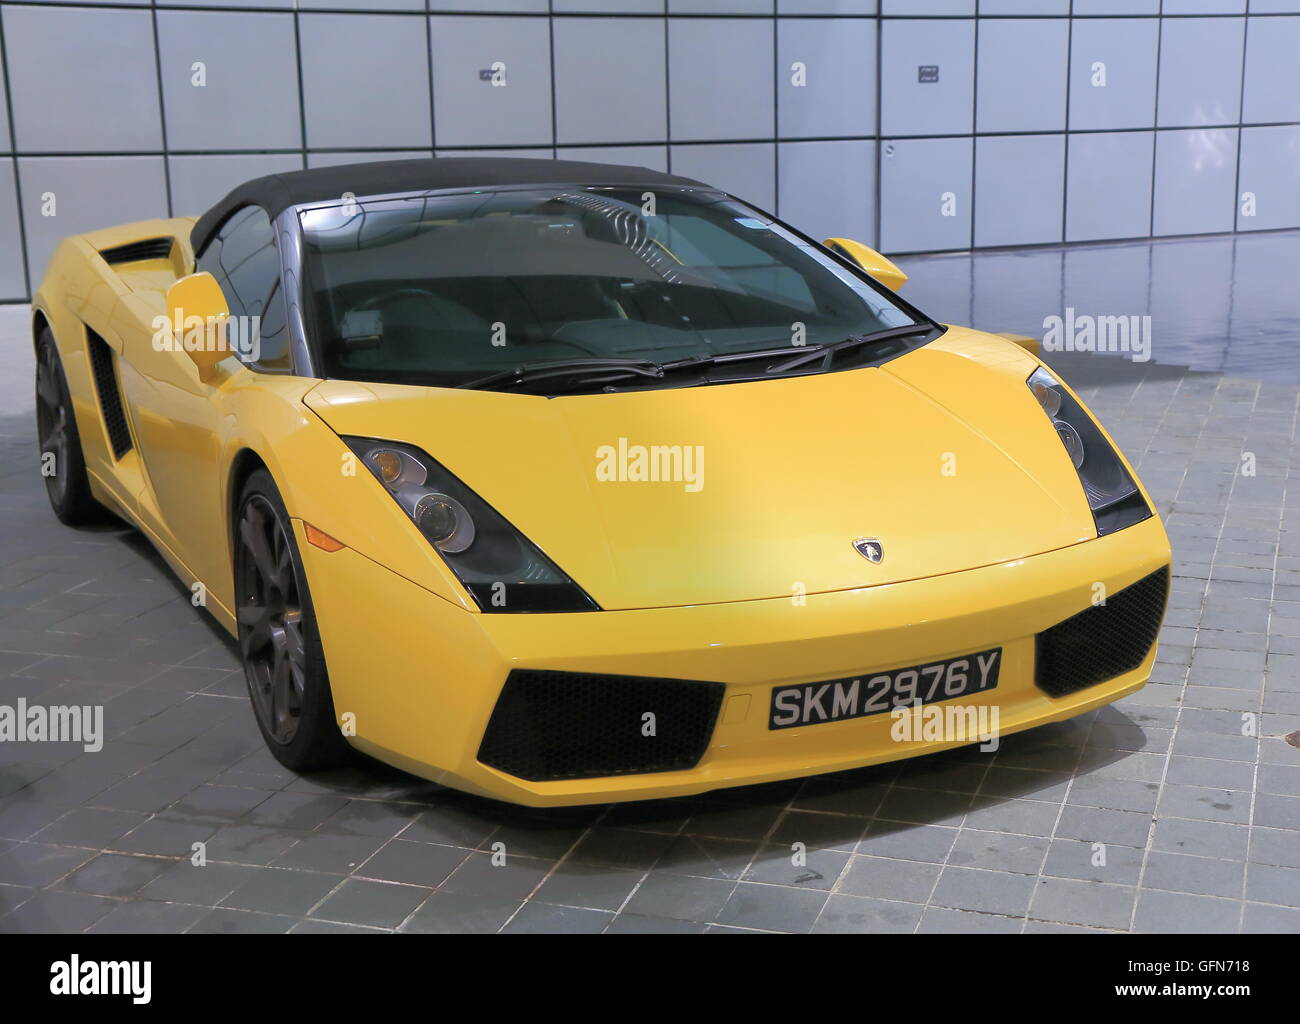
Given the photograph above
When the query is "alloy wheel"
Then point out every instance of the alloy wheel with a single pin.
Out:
(269, 613)
(52, 421)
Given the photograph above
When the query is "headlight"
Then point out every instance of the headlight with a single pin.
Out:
(500, 567)
(1112, 493)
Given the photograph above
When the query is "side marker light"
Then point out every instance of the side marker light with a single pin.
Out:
(321, 539)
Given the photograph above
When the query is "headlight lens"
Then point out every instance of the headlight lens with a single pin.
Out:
(445, 522)
(1112, 493)
(500, 567)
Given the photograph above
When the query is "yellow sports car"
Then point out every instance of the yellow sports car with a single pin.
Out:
(563, 482)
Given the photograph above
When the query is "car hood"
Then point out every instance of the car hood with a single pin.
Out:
(942, 455)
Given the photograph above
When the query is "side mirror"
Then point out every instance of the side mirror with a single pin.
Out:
(198, 313)
(869, 260)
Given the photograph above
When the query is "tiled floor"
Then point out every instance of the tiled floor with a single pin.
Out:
(1197, 815)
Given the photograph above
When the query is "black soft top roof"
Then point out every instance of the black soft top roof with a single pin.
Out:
(276, 192)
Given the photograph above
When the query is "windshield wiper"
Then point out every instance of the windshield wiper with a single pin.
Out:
(599, 371)
(827, 353)
(607, 371)
(723, 358)
(594, 371)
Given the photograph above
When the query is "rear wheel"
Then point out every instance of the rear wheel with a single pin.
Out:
(62, 464)
(284, 663)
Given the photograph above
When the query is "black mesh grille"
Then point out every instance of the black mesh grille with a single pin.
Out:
(1103, 641)
(572, 725)
(148, 249)
(110, 399)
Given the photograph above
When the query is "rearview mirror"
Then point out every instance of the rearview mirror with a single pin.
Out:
(869, 260)
(199, 315)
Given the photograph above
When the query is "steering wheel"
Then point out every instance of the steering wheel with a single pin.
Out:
(384, 297)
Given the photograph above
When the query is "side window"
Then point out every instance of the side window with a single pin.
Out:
(244, 260)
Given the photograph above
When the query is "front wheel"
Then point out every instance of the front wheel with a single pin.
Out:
(62, 464)
(284, 662)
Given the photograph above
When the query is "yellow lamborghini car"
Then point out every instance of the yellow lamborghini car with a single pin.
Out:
(562, 482)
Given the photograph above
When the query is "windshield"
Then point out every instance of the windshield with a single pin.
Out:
(457, 289)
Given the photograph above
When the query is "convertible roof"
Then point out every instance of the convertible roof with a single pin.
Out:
(276, 192)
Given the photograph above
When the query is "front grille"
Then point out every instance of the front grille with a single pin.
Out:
(1103, 641)
(148, 249)
(574, 725)
(110, 398)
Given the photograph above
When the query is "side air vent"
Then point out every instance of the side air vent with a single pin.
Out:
(110, 398)
(148, 249)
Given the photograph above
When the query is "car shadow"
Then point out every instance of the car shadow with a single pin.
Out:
(733, 833)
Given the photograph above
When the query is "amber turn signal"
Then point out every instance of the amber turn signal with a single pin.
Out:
(321, 539)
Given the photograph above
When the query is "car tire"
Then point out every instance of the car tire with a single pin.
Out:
(284, 661)
(67, 486)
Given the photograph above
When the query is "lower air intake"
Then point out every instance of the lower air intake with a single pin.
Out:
(572, 725)
(1103, 641)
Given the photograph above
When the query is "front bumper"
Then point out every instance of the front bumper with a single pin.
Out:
(418, 678)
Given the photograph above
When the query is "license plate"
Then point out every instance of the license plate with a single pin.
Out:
(838, 700)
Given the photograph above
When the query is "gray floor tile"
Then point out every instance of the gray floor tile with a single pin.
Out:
(515, 877)
(990, 892)
(39, 864)
(947, 920)
(641, 924)
(277, 891)
(809, 869)
(147, 917)
(621, 848)
(56, 912)
(681, 896)
(184, 882)
(329, 851)
(859, 915)
(241, 922)
(1268, 883)
(1071, 901)
(542, 917)
(377, 904)
(1178, 872)
(413, 863)
(998, 851)
(1096, 862)
(455, 912)
(1273, 920)
(773, 908)
(115, 874)
(909, 881)
(588, 885)
(1178, 912)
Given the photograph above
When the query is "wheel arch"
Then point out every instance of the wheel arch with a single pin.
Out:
(40, 324)
(245, 463)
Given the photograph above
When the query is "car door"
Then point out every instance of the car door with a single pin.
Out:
(184, 422)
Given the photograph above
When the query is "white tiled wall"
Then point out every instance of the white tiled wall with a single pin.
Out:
(1049, 121)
